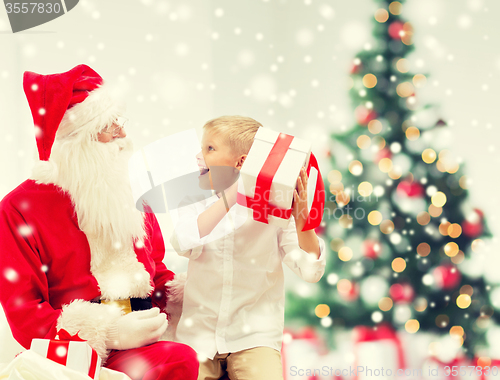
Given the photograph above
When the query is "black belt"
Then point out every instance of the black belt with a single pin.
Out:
(129, 304)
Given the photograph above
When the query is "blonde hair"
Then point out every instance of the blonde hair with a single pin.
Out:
(237, 131)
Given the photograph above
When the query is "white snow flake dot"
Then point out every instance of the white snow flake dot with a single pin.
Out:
(315, 83)
(280, 59)
(61, 351)
(41, 111)
(60, 45)
(34, 87)
(132, 71)
(45, 268)
(139, 244)
(307, 59)
(117, 245)
(174, 16)
(237, 31)
(274, 68)
(259, 36)
(149, 37)
(96, 15)
(219, 12)
(100, 46)
(11, 275)
(485, 87)
(246, 329)
(25, 230)
(188, 322)
(326, 322)
(215, 36)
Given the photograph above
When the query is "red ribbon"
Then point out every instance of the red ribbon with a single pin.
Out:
(383, 331)
(58, 350)
(260, 202)
(318, 205)
(64, 335)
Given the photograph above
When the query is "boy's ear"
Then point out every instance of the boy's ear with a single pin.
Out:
(241, 160)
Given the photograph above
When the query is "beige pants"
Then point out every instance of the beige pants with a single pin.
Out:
(259, 363)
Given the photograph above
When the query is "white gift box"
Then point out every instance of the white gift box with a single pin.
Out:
(78, 356)
(285, 178)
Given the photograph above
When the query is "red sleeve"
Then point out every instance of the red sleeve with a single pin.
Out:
(162, 274)
(24, 290)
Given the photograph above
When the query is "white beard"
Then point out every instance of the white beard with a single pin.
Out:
(95, 175)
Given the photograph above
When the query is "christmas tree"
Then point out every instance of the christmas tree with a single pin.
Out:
(401, 227)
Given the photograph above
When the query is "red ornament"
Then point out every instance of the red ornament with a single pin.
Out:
(356, 68)
(371, 248)
(364, 115)
(395, 30)
(402, 293)
(410, 189)
(383, 153)
(447, 276)
(350, 294)
(473, 226)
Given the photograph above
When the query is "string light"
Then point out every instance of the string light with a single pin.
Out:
(386, 227)
(423, 249)
(429, 156)
(375, 126)
(369, 80)
(438, 199)
(463, 301)
(454, 230)
(381, 15)
(451, 249)
(356, 168)
(345, 253)
(322, 311)
(336, 244)
(375, 218)
(364, 142)
(385, 165)
(435, 211)
(365, 189)
(419, 80)
(385, 304)
(395, 8)
(405, 89)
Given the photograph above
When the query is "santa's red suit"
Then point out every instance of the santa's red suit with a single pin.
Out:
(54, 272)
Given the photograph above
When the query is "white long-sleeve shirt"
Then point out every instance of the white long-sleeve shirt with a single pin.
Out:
(234, 294)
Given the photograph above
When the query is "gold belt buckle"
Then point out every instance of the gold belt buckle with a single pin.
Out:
(122, 304)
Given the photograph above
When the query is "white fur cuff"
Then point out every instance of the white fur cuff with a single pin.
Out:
(92, 322)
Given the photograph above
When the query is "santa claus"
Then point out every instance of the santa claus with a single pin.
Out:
(75, 253)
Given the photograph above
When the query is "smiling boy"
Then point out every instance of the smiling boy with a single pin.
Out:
(233, 307)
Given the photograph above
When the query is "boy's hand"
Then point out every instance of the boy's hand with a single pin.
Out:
(299, 211)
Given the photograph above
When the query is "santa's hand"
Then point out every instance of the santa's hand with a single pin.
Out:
(137, 329)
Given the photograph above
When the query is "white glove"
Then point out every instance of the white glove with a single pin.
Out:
(137, 329)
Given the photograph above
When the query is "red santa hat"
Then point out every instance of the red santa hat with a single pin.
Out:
(68, 103)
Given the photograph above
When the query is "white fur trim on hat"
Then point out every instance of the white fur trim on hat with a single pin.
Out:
(98, 110)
